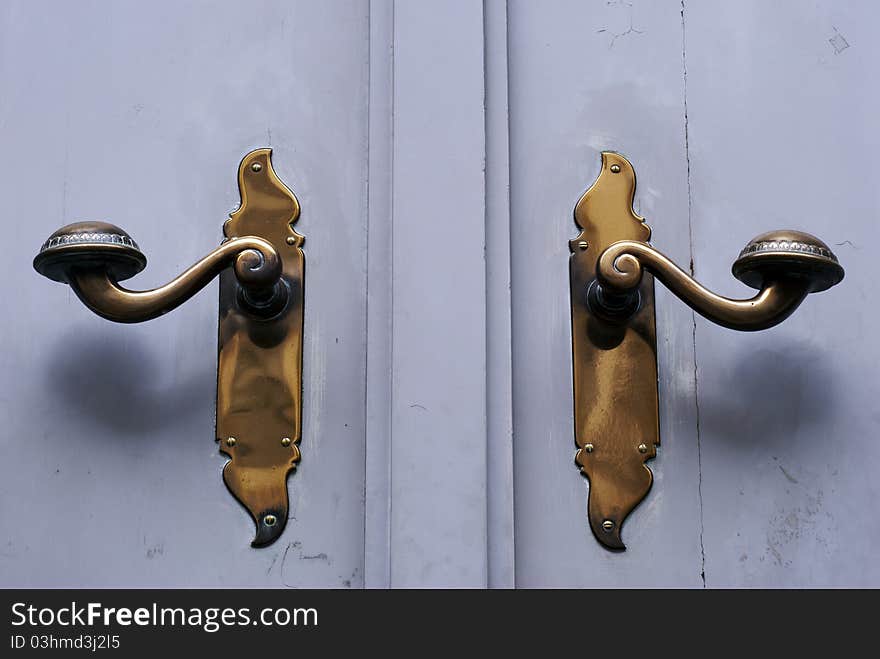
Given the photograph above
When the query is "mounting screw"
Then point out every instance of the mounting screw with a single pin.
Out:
(643, 448)
(256, 167)
(285, 441)
(270, 520)
(230, 441)
(291, 240)
(588, 448)
(616, 170)
(608, 526)
(583, 244)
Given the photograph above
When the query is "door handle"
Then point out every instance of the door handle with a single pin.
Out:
(784, 265)
(93, 257)
(259, 369)
(614, 347)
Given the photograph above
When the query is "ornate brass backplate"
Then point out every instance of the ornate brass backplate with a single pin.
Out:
(616, 419)
(259, 375)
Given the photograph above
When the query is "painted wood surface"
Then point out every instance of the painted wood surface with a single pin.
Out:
(438, 527)
(580, 83)
(138, 113)
(783, 133)
(740, 118)
(438, 150)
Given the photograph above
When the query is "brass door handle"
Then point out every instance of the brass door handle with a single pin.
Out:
(93, 257)
(259, 367)
(614, 343)
(785, 266)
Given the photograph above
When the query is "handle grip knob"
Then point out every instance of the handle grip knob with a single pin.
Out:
(788, 254)
(90, 245)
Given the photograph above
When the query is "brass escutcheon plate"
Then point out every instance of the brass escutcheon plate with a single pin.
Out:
(616, 417)
(259, 373)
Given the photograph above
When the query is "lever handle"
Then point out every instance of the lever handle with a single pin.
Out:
(785, 266)
(94, 256)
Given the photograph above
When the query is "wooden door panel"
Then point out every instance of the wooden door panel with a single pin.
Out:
(437, 178)
(581, 82)
(739, 118)
(783, 133)
(139, 113)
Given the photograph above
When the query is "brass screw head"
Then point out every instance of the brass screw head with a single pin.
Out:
(285, 441)
(583, 244)
(643, 448)
(588, 448)
(256, 167)
(616, 170)
(230, 441)
(291, 240)
(270, 520)
(608, 525)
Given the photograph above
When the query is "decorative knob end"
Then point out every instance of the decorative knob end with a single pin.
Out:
(788, 254)
(90, 245)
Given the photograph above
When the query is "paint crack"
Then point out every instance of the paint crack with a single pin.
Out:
(687, 155)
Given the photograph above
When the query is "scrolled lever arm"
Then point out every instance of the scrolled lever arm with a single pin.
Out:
(94, 256)
(784, 265)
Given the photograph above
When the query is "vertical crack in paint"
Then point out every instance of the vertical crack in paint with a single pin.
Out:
(693, 314)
